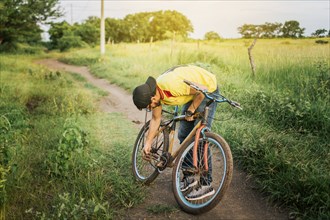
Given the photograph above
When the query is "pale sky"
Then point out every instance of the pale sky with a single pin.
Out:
(223, 17)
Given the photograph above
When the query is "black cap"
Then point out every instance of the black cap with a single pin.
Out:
(143, 93)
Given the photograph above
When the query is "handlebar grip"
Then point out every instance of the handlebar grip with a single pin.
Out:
(235, 104)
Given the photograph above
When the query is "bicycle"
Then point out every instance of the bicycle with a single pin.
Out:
(209, 154)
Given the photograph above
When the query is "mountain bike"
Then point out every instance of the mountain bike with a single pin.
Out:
(203, 154)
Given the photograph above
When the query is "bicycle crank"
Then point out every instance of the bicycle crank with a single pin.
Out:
(165, 159)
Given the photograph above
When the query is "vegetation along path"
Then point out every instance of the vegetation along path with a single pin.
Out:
(240, 202)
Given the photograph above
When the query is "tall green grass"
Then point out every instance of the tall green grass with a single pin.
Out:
(281, 137)
(59, 157)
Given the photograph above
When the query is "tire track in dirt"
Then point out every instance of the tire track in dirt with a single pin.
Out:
(241, 200)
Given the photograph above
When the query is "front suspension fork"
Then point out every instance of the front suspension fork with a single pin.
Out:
(201, 131)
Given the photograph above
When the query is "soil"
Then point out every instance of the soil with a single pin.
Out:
(241, 201)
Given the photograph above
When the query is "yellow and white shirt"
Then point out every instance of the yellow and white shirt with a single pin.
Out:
(174, 91)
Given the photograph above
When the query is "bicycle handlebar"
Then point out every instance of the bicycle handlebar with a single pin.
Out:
(207, 94)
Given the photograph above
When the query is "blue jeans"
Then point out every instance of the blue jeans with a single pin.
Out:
(187, 126)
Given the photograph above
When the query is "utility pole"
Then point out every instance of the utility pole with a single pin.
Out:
(102, 46)
(71, 16)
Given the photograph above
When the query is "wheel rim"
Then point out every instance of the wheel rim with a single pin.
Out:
(145, 169)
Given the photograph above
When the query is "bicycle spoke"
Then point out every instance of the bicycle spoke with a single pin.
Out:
(144, 170)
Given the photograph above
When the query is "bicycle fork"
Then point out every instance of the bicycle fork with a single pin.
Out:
(201, 131)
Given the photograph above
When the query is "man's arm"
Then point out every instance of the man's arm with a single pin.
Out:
(198, 98)
(153, 127)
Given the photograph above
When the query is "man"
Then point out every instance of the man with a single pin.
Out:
(170, 89)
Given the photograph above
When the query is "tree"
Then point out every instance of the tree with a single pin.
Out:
(211, 35)
(291, 29)
(114, 30)
(249, 31)
(177, 23)
(160, 25)
(270, 30)
(20, 19)
(320, 33)
(138, 26)
(57, 31)
(89, 31)
(172, 22)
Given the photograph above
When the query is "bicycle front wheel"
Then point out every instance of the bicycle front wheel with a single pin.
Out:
(216, 177)
(146, 171)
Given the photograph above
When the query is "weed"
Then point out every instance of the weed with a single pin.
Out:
(73, 140)
(70, 207)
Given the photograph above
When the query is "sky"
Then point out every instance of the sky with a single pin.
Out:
(223, 17)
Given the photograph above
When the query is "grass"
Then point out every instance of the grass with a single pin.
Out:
(81, 168)
(281, 136)
(59, 157)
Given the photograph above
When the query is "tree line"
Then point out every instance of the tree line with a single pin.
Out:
(290, 29)
(139, 27)
(21, 20)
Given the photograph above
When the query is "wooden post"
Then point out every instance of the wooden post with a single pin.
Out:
(253, 67)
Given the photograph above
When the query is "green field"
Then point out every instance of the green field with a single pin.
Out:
(281, 138)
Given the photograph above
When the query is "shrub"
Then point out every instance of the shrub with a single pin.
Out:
(70, 41)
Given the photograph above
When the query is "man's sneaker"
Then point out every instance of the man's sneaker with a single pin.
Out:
(187, 183)
(200, 193)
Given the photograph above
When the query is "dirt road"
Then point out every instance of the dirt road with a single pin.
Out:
(241, 200)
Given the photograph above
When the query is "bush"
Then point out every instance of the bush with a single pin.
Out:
(19, 48)
(70, 41)
(321, 42)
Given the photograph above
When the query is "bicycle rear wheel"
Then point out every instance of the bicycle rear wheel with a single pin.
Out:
(146, 171)
(219, 174)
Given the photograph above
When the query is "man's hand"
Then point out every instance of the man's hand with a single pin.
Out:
(147, 148)
(189, 116)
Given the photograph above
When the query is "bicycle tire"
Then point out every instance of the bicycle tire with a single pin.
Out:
(145, 171)
(222, 166)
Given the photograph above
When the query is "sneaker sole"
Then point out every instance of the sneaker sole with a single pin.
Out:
(202, 197)
(189, 186)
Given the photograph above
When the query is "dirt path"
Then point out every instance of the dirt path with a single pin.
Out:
(241, 200)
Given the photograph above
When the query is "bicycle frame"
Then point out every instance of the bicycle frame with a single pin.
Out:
(199, 129)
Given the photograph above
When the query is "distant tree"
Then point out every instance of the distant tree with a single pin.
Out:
(270, 30)
(320, 33)
(20, 19)
(57, 31)
(173, 22)
(158, 25)
(137, 26)
(89, 30)
(211, 35)
(115, 31)
(177, 23)
(249, 31)
(292, 29)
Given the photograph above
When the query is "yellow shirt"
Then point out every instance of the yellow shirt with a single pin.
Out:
(175, 92)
